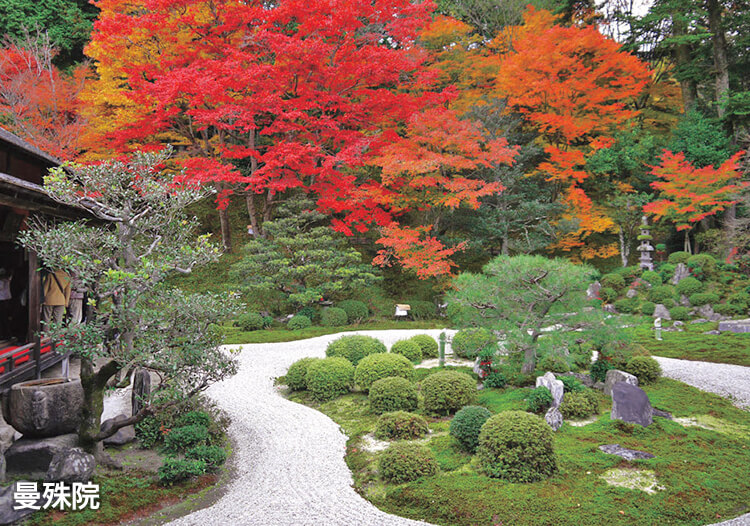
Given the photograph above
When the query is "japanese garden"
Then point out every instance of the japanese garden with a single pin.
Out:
(462, 262)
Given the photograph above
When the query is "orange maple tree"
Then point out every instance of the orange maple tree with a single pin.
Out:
(689, 194)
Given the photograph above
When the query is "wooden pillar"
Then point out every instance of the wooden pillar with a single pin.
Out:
(35, 297)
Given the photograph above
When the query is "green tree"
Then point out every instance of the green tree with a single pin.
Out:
(521, 295)
(702, 140)
(302, 258)
(141, 236)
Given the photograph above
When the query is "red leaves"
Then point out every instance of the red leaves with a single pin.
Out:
(416, 250)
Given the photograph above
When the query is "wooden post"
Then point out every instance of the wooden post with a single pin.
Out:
(35, 297)
(37, 356)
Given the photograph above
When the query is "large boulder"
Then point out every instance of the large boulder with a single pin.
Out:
(660, 311)
(631, 404)
(71, 465)
(8, 515)
(681, 272)
(122, 436)
(554, 385)
(45, 408)
(554, 418)
(32, 456)
(614, 376)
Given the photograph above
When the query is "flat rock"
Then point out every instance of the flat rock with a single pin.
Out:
(678, 323)
(663, 414)
(71, 465)
(699, 320)
(555, 386)
(122, 436)
(660, 311)
(615, 376)
(32, 456)
(554, 418)
(7, 514)
(712, 333)
(631, 404)
(738, 326)
(627, 454)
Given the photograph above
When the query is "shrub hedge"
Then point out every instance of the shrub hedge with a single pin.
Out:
(407, 461)
(392, 394)
(400, 425)
(328, 378)
(645, 368)
(427, 343)
(333, 317)
(411, 350)
(296, 376)
(382, 365)
(448, 391)
(355, 347)
(356, 311)
(579, 404)
(467, 424)
(298, 322)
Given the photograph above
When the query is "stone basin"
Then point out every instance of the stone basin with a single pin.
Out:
(45, 408)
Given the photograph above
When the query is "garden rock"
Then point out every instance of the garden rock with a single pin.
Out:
(738, 326)
(609, 308)
(684, 301)
(614, 376)
(706, 311)
(599, 386)
(554, 385)
(71, 465)
(592, 292)
(631, 404)
(32, 456)
(7, 435)
(554, 418)
(123, 435)
(713, 333)
(660, 311)
(679, 323)
(7, 514)
(141, 389)
(631, 293)
(627, 454)
(699, 320)
(680, 272)
(585, 379)
(663, 414)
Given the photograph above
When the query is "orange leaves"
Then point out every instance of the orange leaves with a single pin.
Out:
(416, 250)
(564, 166)
(690, 194)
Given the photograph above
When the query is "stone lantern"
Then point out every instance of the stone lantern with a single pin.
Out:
(645, 248)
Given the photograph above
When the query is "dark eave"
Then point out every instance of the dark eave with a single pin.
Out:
(27, 148)
(18, 193)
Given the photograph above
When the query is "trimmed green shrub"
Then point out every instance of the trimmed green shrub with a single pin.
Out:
(679, 313)
(627, 305)
(689, 286)
(705, 262)
(185, 437)
(608, 294)
(422, 310)
(382, 365)
(678, 257)
(355, 347)
(407, 461)
(198, 418)
(517, 447)
(613, 281)
(333, 317)
(654, 278)
(468, 343)
(666, 271)
(629, 273)
(296, 376)
(400, 425)
(645, 368)
(579, 361)
(571, 384)
(648, 308)
(250, 321)
(467, 424)
(177, 469)
(448, 391)
(579, 404)
(740, 300)
(213, 456)
(329, 377)
(411, 350)
(728, 309)
(392, 394)
(428, 344)
(299, 321)
(538, 400)
(554, 363)
(356, 311)
(661, 294)
(148, 431)
(704, 298)
(309, 311)
(599, 370)
(495, 379)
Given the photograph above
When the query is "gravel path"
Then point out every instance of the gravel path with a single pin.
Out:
(729, 381)
(289, 458)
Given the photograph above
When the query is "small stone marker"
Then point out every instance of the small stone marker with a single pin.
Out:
(614, 376)
(627, 454)
(631, 404)
(657, 328)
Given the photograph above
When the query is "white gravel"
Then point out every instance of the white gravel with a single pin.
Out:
(729, 381)
(290, 458)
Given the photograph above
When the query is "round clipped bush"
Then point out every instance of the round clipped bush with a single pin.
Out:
(645, 368)
(607, 294)
(382, 365)
(298, 322)
(689, 286)
(661, 294)
(654, 278)
(328, 378)
(728, 309)
(422, 310)
(554, 363)
(740, 300)
(400, 425)
(411, 350)
(516, 446)
(407, 461)
(679, 313)
(297, 374)
(355, 347)
(467, 424)
(310, 312)
(705, 262)
(356, 311)
(539, 400)
(627, 305)
(468, 343)
(648, 308)
(613, 281)
(392, 394)
(678, 257)
(448, 391)
(571, 384)
(250, 321)
(579, 404)
(703, 298)
(428, 344)
(333, 317)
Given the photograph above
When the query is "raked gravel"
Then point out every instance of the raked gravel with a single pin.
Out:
(289, 458)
